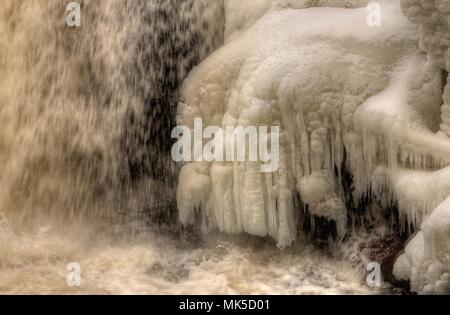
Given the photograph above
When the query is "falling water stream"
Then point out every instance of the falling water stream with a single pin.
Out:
(85, 168)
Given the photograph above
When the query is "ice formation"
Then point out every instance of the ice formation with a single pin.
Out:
(344, 95)
(242, 14)
(426, 262)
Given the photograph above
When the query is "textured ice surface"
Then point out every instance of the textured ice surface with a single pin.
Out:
(343, 93)
(432, 17)
(306, 71)
(426, 260)
(242, 14)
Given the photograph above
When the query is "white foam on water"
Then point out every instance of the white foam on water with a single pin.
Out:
(34, 262)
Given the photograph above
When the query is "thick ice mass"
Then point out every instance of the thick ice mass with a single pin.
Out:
(426, 260)
(344, 95)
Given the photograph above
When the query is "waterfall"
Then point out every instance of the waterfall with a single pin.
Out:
(86, 112)
(362, 118)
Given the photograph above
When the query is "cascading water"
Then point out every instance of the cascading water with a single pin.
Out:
(87, 113)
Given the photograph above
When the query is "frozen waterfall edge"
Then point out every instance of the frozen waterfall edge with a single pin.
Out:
(351, 115)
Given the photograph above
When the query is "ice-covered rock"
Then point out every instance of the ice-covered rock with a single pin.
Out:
(345, 95)
(432, 17)
(306, 71)
(242, 14)
(426, 261)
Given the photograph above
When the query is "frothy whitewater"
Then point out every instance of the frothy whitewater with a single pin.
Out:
(35, 262)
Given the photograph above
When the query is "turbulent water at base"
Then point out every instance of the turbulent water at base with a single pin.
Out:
(85, 119)
(35, 262)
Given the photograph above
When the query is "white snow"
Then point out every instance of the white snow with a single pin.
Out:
(242, 14)
(427, 266)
